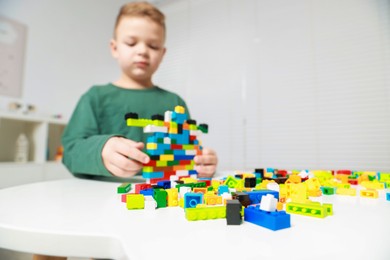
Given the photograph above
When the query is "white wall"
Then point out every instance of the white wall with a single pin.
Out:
(67, 49)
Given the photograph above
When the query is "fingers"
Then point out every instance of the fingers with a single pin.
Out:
(208, 157)
(123, 166)
(123, 157)
(206, 164)
(132, 150)
(205, 170)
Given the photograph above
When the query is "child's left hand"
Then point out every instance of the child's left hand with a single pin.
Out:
(206, 164)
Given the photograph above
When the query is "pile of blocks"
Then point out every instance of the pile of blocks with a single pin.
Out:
(172, 145)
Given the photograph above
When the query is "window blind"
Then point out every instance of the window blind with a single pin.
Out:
(285, 84)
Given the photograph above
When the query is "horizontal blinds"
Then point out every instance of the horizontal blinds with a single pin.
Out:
(300, 84)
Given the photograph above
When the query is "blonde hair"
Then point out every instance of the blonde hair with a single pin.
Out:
(140, 9)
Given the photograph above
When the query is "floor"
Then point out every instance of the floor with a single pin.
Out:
(13, 255)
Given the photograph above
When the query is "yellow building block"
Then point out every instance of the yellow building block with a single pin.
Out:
(205, 213)
(215, 184)
(342, 177)
(167, 157)
(188, 147)
(151, 146)
(173, 197)
(212, 199)
(373, 185)
(161, 163)
(189, 180)
(139, 122)
(180, 109)
(373, 194)
(346, 191)
(295, 178)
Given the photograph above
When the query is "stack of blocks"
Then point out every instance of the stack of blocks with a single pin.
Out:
(172, 146)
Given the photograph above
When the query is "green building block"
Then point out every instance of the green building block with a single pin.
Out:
(124, 188)
(135, 201)
(205, 213)
(232, 182)
(160, 196)
(328, 190)
(311, 210)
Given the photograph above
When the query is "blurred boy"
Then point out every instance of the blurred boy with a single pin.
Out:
(97, 141)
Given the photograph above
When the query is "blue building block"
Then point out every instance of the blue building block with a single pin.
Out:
(152, 175)
(147, 192)
(388, 196)
(183, 157)
(164, 184)
(256, 195)
(222, 189)
(192, 199)
(272, 220)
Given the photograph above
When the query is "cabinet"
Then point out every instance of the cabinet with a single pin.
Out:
(44, 136)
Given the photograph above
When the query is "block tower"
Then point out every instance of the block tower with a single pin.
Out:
(172, 145)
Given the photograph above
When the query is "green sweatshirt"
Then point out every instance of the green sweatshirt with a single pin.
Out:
(100, 114)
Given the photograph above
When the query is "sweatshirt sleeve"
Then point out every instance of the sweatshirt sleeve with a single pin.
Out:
(81, 139)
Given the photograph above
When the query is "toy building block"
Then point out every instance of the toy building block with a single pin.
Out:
(160, 196)
(256, 195)
(268, 203)
(232, 182)
(141, 186)
(124, 188)
(327, 190)
(388, 196)
(172, 146)
(135, 201)
(243, 198)
(205, 213)
(250, 182)
(272, 220)
(369, 193)
(173, 197)
(147, 192)
(223, 189)
(311, 210)
(150, 203)
(192, 199)
(233, 212)
(226, 197)
(211, 199)
(346, 191)
(373, 185)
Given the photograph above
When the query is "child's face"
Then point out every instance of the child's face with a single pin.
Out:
(139, 48)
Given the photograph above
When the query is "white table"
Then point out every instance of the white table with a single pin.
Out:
(84, 218)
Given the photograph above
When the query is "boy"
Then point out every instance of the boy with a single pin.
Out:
(97, 143)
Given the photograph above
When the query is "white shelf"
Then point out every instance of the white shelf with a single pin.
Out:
(44, 135)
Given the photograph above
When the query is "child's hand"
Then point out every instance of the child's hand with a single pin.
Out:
(123, 157)
(206, 164)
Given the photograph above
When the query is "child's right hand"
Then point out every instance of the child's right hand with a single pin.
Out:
(123, 157)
